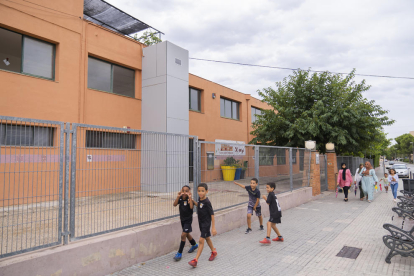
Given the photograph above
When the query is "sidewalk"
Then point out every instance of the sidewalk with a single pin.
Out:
(314, 233)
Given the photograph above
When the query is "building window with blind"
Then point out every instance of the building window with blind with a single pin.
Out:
(255, 112)
(229, 109)
(195, 99)
(281, 156)
(108, 77)
(110, 140)
(26, 55)
(26, 136)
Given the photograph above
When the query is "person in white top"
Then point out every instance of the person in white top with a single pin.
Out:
(357, 180)
(393, 179)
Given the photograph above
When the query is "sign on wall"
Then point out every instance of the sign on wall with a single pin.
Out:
(226, 147)
(317, 158)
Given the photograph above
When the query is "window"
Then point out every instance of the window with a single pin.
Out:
(195, 99)
(229, 109)
(110, 140)
(294, 154)
(26, 55)
(281, 156)
(266, 156)
(255, 111)
(109, 77)
(22, 135)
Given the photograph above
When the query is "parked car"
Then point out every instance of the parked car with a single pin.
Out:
(402, 170)
(389, 165)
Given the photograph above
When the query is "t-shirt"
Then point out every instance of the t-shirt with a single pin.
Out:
(274, 207)
(395, 177)
(204, 211)
(186, 213)
(253, 196)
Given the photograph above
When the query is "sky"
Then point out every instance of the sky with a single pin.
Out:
(372, 36)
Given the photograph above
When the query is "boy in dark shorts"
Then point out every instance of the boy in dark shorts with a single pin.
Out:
(185, 201)
(254, 203)
(275, 214)
(205, 221)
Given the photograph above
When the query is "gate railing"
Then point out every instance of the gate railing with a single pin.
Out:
(64, 182)
(352, 162)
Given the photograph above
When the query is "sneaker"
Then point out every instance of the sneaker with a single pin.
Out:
(193, 262)
(248, 230)
(395, 200)
(213, 255)
(194, 247)
(178, 256)
(265, 241)
(261, 227)
(280, 239)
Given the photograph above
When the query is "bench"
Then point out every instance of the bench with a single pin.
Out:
(407, 193)
(405, 203)
(400, 241)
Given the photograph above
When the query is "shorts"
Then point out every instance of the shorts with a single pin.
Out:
(205, 232)
(275, 220)
(186, 225)
(258, 210)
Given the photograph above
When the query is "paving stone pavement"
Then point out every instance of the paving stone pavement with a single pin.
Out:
(314, 233)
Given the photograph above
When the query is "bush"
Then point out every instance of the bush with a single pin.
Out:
(406, 160)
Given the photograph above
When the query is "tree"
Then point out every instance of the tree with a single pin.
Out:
(324, 107)
(148, 38)
(404, 146)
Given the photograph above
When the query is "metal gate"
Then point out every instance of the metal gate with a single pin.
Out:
(31, 184)
(323, 172)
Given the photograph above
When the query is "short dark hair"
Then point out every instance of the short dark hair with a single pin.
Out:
(186, 186)
(272, 185)
(255, 180)
(204, 185)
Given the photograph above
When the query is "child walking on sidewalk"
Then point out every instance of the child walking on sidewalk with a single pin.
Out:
(205, 221)
(385, 181)
(185, 201)
(254, 203)
(275, 214)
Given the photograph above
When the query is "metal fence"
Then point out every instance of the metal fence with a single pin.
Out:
(31, 179)
(63, 182)
(351, 162)
(220, 164)
(323, 164)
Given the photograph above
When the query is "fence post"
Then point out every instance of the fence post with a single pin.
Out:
(195, 165)
(198, 155)
(73, 181)
(66, 189)
(291, 168)
(256, 162)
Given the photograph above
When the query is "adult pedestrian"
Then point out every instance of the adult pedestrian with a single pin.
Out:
(369, 179)
(344, 180)
(357, 180)
(393, 180)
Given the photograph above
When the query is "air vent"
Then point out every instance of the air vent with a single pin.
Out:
(178, 61)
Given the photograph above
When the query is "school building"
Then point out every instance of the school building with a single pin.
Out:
(72, 61)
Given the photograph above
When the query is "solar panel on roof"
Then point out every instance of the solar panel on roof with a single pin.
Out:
(104, 14)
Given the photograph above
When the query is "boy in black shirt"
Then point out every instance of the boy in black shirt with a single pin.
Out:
(186, 216)
(275, 214)
(254, 203)
(205, 221)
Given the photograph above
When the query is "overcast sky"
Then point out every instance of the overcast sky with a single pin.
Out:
(373, 36)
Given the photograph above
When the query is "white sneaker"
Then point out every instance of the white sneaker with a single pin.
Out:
(395, 200)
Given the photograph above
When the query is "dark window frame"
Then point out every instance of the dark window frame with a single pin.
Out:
(281, 158)
(199, 98)
(231, 109)
(30, 133)
(112, 77)
(267, 158)
(294, 156)
(94, 139)
(255, 109)
(22, 57)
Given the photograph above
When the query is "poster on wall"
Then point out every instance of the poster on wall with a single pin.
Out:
(226, 147)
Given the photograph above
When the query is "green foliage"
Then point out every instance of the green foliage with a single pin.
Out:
(148, 38)
(404, 146)
(324, 107)
(230, 161)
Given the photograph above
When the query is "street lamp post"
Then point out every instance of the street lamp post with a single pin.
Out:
(412, 147)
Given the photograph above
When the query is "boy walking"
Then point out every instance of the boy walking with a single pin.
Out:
(254, 203)
(275, 214)
(185, 201)
(205, 221)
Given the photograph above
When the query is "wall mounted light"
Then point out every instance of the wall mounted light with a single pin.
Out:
(310, 145)
(330, 146)
(214, 95)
